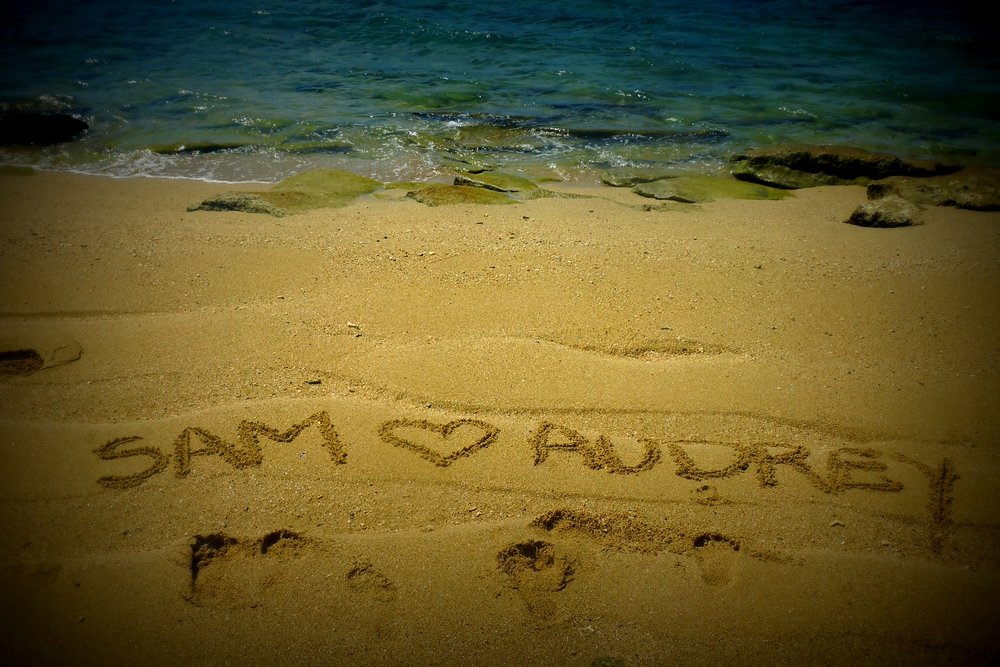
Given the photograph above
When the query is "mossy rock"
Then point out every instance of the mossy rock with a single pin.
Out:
(315, 147)
(886, 212)
(497, 139)
(496, 180)
(465, 162)
(321, 188)
(443, 195)
(973, 188)
(698, 188)
(515, 186)
(245, 202)
(409, 186)
(627, 178)
(804, 166)
(780, 176)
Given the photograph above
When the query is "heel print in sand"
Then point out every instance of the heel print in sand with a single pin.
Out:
(369, 583)
(537, 571)
(718, 558)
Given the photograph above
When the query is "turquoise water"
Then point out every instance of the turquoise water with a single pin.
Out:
(239, 91)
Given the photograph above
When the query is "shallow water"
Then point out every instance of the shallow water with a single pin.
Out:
(228, 90)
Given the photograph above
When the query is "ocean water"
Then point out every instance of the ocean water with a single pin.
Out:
(243, 91)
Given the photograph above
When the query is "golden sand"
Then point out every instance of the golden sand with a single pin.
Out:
(575, 431)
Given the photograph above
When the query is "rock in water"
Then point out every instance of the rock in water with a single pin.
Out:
(973, 188)
(627, 178)
(31, 128)
(810, 166)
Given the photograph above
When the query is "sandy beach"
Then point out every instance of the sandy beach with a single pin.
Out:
(587, 430)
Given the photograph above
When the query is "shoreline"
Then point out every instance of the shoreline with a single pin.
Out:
(590, 430)
(424, 158)
(844, 164)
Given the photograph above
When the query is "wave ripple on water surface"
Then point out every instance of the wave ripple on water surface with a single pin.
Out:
(246, 91)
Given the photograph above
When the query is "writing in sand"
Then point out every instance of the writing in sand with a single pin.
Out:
(549, 444)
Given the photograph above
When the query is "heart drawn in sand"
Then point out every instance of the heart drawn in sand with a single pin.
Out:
(441, 444)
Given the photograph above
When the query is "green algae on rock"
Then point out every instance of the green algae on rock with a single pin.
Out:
(627, 178)
(442, 195)
(323, 188)
(697, 188)
(517, 187)
(245, 202)
(320, 188)
(806, 166)
(496, 180)
(973, 188)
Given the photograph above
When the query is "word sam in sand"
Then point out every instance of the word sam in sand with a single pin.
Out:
(246, 452)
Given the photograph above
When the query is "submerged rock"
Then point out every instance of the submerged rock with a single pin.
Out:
(697, 188)
(627, 178)
(495, 180)
(888, 211)
(443, 195)
(205, 147)
(493, 138)
(32, 128)
(806, 166)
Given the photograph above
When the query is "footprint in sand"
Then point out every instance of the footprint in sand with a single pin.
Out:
(536, 571)
(371, 598)
(204, 551)
(280, 542)
(717, 556)
(230, 572)
(708, 495)
(638, 346)
(365, 580)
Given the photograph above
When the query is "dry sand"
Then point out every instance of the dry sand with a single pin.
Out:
(567, 431)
